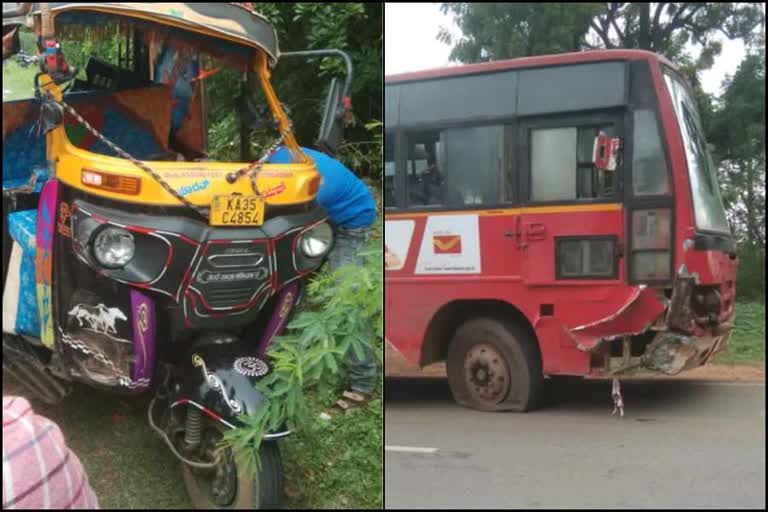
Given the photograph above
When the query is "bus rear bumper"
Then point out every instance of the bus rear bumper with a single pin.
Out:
(672, 352)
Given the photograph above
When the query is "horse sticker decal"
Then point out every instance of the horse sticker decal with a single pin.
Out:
(100, 318)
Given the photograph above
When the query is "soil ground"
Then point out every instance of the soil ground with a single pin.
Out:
(397, 366)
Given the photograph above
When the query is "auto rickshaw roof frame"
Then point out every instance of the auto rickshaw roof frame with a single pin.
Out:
(190, 17)
(71, 159)
(228, 21)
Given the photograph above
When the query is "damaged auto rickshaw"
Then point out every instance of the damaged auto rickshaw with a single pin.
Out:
(131, 261)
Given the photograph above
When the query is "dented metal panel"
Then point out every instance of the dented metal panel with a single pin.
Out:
(631, 318)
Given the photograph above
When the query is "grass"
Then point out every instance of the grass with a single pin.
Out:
(336, 464)
(747, 344)
(17, 81)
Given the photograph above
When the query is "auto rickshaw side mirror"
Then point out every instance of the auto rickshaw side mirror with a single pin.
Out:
(338, 106)
(332, 125)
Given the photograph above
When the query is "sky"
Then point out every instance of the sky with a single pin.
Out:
(410, 43)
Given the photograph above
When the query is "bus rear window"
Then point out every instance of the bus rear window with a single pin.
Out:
(707, 203)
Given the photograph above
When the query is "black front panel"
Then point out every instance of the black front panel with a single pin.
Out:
(217, 277)
(93, 326)
(232, 275)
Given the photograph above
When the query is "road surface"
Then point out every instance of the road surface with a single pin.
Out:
(681, 444)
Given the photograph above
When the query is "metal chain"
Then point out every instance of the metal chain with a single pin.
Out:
(122, 379)
(256, 166)
(114, 147)
(252, 169)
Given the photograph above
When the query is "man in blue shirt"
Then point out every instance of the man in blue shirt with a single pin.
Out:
(351, 210)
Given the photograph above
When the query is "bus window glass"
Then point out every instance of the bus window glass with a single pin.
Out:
(561, 164)
(589, 258)
(570, 258)
(390, 196)
(425, 176)
(592, 183)
(707, 203)
(649, 168)
(553, 164)
(472, 159)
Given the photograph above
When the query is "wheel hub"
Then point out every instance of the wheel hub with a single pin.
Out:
(486, 374)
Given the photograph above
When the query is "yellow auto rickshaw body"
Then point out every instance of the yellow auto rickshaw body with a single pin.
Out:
(279, 184)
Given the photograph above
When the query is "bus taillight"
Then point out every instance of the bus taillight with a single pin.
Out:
(651, 244)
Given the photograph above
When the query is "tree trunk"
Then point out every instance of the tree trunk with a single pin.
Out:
(752, 231)
(644, 36)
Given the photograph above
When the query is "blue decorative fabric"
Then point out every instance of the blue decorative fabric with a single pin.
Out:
(23, 150)
(27, 316)
(128, 134)
(183, 86)
(42, 177)
(22, 226)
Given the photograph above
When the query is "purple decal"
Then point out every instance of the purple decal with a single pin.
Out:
(285, 302)
(46, 222)
(46, 214)
(143, 309)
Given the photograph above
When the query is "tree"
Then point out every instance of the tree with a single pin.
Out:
(302, 84)
(492, 31)
(505, 30)
(738, 134)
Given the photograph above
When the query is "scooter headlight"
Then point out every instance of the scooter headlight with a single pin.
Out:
(317, 240)
(114, 247)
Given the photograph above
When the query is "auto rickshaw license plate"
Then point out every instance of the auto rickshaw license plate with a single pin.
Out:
(237, 210)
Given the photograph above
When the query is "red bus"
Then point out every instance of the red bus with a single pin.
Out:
(552, 215)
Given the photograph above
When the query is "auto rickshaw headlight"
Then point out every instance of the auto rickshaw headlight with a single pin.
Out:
(114, 247)
(317, 240)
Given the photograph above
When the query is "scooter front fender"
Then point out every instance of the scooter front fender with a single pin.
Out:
(218, 376)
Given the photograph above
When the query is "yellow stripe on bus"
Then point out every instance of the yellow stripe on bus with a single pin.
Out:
(610, 207)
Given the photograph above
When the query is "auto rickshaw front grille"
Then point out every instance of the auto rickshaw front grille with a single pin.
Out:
(228, 297)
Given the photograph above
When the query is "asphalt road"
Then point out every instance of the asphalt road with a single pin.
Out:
(681, 444)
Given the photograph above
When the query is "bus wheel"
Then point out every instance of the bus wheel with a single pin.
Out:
(494, 366)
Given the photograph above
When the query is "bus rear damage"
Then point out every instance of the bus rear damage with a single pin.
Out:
(692, 323)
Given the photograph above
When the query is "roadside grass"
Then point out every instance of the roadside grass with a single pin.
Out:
(337, 464)
(747, 344)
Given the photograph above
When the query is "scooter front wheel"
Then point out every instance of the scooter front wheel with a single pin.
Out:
(229, 486)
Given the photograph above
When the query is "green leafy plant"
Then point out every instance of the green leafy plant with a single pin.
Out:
(302, 84)
(365, 156)
(342, 307)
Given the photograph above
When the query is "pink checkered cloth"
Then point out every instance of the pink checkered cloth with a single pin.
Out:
(39, 470)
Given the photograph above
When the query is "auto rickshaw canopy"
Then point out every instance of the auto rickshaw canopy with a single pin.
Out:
(233, 22)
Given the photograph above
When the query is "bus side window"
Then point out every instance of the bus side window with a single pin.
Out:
(425, 176)
(472, 160)
(592, 183)
(561, 164)
(390, 191)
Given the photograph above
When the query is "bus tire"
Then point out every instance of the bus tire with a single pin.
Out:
(494, 366)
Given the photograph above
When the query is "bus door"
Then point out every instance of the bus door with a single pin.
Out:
(570, 227)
